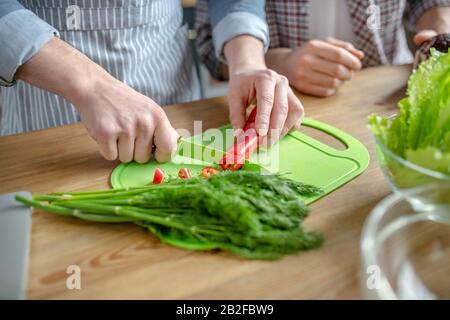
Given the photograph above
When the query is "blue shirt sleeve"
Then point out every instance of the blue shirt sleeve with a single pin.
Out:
(7, 6)
(232, 18)
(22, 35)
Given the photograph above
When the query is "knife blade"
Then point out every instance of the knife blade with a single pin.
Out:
(195, 153)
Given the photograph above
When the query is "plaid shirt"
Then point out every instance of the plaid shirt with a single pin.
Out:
(288, 20)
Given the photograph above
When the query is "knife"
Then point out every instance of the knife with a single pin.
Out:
(15, 228)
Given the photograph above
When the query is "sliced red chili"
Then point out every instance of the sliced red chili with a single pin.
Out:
(184, 173)
(232, 162)
(158, 176)
(209, 171)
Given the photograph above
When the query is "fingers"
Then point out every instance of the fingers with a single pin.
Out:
(423, 36)
(265, 87)
(295, 115)
(107, 147)
(126, 147)
(165, 140)
(347, 46)
(314, 90)
(329, 68)
(334, 54)
(143, 147)
(280, 109)
(237, 112)
(320, 79)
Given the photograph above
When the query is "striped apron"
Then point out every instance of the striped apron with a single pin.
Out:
(140, 42)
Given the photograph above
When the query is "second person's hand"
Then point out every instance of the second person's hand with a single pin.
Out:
(319, 67)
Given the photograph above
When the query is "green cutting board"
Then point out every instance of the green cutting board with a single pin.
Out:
(299, 157)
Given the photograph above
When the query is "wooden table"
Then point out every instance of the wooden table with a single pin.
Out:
(124, 261)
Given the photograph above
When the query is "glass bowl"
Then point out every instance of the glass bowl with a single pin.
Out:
(404, 175)
(405, 253)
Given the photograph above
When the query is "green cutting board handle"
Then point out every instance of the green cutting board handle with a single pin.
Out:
(355, 150)
(308, 160)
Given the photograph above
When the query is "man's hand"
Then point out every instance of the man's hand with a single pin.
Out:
(423, 36)
(125, 123)
(319, 67)
(433, 22)
(279, 110)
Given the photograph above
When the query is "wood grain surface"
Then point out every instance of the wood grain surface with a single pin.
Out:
(124, 261)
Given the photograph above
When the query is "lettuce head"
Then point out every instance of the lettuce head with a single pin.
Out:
(420, 132)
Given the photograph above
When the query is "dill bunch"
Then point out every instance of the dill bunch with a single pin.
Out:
(258, 216)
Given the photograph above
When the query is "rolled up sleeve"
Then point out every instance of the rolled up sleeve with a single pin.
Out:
(232, 18)
(22, 35)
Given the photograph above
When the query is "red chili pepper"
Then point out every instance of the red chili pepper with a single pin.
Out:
(251, 120)
(209, 171)
(158, 176)
(245, 145)
(184, 173)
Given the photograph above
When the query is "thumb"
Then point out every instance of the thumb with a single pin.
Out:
(165, 141)
(423, 36)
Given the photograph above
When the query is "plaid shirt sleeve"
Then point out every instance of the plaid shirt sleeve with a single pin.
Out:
(416, 8)
(204, 41)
